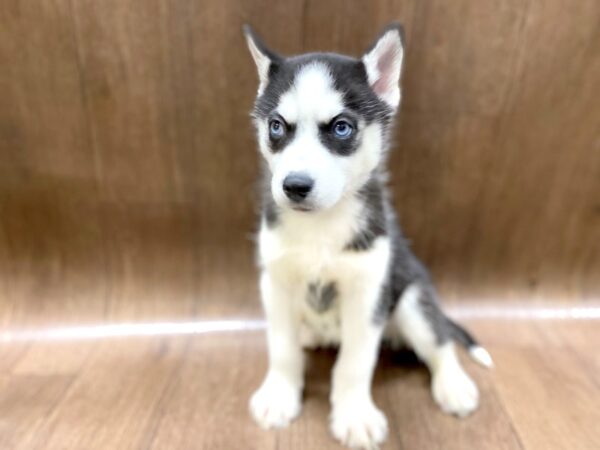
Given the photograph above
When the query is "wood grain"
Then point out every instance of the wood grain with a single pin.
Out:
(127, 194)
(162, 392)
(124, 117)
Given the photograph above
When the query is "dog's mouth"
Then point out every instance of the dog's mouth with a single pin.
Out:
(302, 208)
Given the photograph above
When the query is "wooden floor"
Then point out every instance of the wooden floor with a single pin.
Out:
(101, 355)
(190, 391)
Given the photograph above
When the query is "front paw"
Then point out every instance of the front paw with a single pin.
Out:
(358, 424)
(276, 403)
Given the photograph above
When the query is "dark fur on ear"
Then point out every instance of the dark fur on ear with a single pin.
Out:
(264, 58)
(254, 37)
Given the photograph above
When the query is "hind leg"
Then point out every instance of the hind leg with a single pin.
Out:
(422, 325)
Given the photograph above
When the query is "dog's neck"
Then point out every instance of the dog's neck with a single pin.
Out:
(336, 227)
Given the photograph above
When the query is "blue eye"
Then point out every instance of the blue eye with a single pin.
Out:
(342, 129)
(276, 128)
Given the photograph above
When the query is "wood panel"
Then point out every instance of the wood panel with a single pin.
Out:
(43, 130)
(126, 152)
(51, 237)
(191, 392)
(127, 194)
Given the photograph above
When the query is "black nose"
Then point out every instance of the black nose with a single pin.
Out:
(297, 186)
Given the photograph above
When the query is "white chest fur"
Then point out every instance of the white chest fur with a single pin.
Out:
(308, 249)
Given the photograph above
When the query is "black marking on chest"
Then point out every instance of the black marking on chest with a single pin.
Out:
(321, 297)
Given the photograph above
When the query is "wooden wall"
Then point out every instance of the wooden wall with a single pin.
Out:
(126, 151)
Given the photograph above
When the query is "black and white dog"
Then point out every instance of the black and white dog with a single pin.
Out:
(335, 269)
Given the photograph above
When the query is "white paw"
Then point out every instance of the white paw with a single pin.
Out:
(276, 403)
(359, 424)
(454, 391)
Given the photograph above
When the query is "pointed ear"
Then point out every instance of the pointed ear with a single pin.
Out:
(263, 57)
(383, 63)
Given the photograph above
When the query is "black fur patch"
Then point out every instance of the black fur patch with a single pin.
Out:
(349, 77)
(321, 298)
(271, 211)
(405, 269)
(375, 212)
(269, 208)
(278, 144)
(336, 145)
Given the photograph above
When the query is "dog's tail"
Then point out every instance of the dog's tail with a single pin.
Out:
(476, 351)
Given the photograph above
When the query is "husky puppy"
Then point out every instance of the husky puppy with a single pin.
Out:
(335, 268)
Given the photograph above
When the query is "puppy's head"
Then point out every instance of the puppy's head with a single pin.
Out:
(323, 119)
